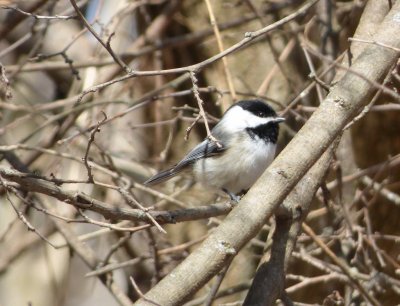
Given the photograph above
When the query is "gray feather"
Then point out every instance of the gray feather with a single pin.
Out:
(204, 149)
(162, 176)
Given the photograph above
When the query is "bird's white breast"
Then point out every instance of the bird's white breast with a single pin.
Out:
(238, 167)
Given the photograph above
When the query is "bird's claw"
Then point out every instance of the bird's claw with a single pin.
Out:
(233, 197)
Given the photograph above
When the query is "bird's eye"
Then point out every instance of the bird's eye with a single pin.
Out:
(260, 114)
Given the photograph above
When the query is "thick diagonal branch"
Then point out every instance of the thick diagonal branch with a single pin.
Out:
(340, 106)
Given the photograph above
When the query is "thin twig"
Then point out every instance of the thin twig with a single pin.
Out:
(214, 289)
(377, 43)
(21, 215)
(217, 34)
(39, 17)
(132, 201)
(343, 266)
(91, 139)
(139, 292)
(249, 37)
(107, 46)
(5, 90)
(201, 108)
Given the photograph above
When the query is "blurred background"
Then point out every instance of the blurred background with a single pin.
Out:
(71, 115)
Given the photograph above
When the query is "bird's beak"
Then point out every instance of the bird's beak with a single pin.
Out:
(279, 119)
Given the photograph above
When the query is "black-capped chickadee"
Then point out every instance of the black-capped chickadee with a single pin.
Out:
(246, 142)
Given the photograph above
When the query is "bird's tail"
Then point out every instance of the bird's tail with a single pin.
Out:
(163, 176)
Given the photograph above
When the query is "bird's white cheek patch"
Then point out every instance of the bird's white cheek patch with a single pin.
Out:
(239, 119)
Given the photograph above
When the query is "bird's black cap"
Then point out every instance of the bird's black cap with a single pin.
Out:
(257, 107)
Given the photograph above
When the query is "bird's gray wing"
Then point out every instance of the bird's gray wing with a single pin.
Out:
(204, 149)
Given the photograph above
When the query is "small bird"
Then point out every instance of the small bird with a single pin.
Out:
(243, 147)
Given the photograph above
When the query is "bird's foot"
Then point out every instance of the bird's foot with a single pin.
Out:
(234, 198)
